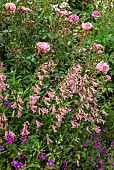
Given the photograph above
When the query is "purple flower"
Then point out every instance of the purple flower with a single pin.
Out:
(8, 104)
(70, 161)
(105, 150)
(65, 163)
(85, 144)
(91, 135)
(42, 155)
(91, 159)
(65, 169)
(24, 139)
(54, 29)
(22, 156)
(17, 164)
(99, 168)
(1, 148)
(113, 164)
(10, 139)
(100, 160)
(103, 130)
(96, 138)
(75, 149)
(50, 163)
(112, 143)
(99, 149)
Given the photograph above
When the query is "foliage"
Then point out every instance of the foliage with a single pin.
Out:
(56, 96)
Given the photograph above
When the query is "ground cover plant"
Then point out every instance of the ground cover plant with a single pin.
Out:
(56, 85)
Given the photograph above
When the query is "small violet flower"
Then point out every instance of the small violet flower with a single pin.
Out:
(85, 144)
(8, 104)
(91, 159)
(9, 139)
(17, 165)
(1, 148)
(42, 155)
(50, 163)
(24, 139)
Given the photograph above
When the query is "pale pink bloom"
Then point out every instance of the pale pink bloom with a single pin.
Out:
(20, 107)
(1, 97)
(63, 88)
(33, 108)
(63, 111)
(32, 101)
(38, 124)
(13, 113)
(25, 9)
(73, 18)
(97, 129)
(66, 19)
(3, 118)
(48, 140)
(54, 128)
(38, 74)
(107, 78)
(25, 131)
(9, 133)
(53, 109)
(74, 124)
(6, 97)
(57, 124)
(104, 113)
(100, 52)
(51, 94)
(43, 47)
(78, 163)
(96, 14)
(1, 125)
(102, 66)
(44, 110)
(5, 126)
(59, 117)
(87, 26)
(2, 77)
(76, 101)
(98, 46)
(57, 99)
(19, 114)
(10, 6)
(14, 106)
(19, 99)
(36, 89)
(46, 101)
(43, 68)
(78, 116)
(63, 13)
(100, 120)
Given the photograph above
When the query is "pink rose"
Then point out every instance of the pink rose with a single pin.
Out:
(10, 6)
(97, 46)
(96, 14)
(25, 9)
(102, 66)
(100, 52)
(108, 78)
(87, 26)
(73, 18)
(43, 46)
